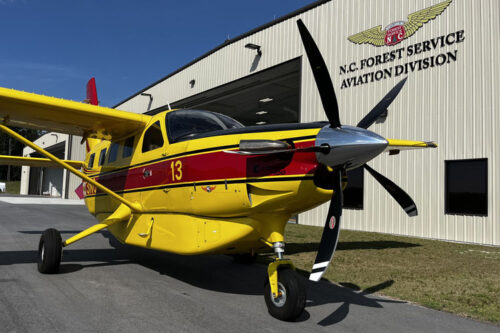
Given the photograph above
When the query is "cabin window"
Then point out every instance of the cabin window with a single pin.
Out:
(466, 187)
(186, 124)
(102, 157)
(113, 152)
(353, 193)
(153, 138)
(91, 161)
(128, 146)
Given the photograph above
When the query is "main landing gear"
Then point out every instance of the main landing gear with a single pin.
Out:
(284, 292)
(49, 251)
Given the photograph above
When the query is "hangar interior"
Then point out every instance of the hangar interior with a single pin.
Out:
(268, 97)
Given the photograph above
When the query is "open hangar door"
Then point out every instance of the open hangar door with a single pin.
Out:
(271, 96)
(47, 181)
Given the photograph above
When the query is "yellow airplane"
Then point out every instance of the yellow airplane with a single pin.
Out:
(194, 182)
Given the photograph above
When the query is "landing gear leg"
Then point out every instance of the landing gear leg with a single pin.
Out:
(284, 292)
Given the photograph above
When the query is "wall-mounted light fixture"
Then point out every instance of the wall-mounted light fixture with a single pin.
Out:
(150, 99)
(254, 47)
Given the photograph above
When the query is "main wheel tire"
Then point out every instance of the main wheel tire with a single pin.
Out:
(291, 303)
(49, 252)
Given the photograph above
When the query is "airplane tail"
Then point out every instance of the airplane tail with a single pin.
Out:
(92, 92)
(91, 99)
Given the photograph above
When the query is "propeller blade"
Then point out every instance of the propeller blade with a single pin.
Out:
(321, 76)
(403, 199)
(380, 108)
(331, 229)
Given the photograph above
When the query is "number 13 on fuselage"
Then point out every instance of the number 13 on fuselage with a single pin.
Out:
(176, 170)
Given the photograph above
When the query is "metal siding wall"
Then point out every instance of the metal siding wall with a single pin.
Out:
(453, 104)
(77, 153)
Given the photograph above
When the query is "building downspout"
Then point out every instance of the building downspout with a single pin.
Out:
(67, 174)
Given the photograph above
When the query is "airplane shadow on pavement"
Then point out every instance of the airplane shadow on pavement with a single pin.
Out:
(212, 272)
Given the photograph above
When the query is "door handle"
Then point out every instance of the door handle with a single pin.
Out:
(146, 173)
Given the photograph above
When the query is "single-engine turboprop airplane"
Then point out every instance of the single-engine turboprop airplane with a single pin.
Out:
(194, 182)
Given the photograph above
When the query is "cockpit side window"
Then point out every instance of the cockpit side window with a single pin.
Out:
(184, 124)
(128, 147)
(153, 138)
(90, 165)
(102, 156)
(113, 152)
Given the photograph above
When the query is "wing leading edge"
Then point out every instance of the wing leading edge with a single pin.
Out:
(28, 110)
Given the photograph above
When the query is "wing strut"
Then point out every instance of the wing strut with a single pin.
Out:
(122, 213)
(135, 207)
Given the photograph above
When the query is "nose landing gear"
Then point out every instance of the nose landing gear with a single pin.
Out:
(285, 291)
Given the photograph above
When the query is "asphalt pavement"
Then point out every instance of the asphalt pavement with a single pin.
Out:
(104, 286)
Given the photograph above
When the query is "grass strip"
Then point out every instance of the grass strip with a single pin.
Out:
(12, 187)
(459, 278)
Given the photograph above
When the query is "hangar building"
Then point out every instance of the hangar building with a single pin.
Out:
(446, 49)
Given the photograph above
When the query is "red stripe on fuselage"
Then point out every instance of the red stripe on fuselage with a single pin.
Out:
(212, 166)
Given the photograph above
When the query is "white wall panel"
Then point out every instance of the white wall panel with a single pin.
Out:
(454, 104)
(78, 152)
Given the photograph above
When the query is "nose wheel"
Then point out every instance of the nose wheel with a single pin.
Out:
(284, 291)
(291, 298)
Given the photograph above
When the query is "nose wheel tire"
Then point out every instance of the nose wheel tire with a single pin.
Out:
(245, 258)
(49, 252)
(292, 299)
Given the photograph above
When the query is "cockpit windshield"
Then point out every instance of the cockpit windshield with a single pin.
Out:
(185, 124)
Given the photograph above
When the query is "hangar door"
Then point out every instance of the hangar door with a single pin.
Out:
(47, 181)
(268, 97)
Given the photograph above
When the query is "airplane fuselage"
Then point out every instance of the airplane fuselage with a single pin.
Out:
(199, 198)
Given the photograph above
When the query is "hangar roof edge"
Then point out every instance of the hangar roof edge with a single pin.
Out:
(229, 42)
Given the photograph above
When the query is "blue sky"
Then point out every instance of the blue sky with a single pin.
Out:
(53, 47)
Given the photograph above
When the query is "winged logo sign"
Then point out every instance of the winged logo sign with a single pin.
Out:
(396, 32)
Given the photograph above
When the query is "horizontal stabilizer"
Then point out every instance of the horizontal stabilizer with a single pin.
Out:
(36, 162)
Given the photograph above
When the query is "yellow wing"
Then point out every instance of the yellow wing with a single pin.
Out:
(396, 145)
(36, 162)
(374, 36)
(22, 109)
(416, 20)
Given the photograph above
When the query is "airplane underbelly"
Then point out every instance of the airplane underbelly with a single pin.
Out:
(185, 234)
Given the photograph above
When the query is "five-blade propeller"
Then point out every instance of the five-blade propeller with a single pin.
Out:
(326, 91)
